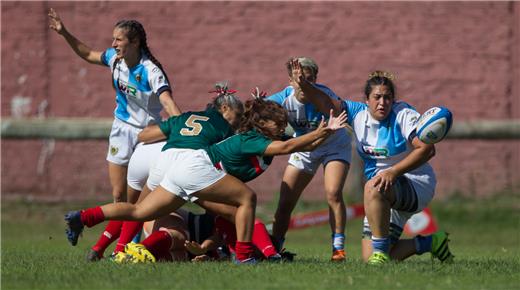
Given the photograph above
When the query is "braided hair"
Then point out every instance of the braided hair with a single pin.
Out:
(135, 30)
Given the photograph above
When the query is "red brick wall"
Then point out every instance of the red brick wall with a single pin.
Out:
(464, 55)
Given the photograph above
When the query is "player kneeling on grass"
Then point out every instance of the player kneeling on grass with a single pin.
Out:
(184, 236)
(400, 180)
(193, 175)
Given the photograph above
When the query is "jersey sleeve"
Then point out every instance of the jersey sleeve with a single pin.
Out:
(108, 57)
(166, 126)
(254, 143)
(407, 119)
(158, 81)
(327, 91)
(280, 97)
(352, 109)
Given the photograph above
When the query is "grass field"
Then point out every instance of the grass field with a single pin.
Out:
(485, 239)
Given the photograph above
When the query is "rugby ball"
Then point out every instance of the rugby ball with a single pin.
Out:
(434, 125)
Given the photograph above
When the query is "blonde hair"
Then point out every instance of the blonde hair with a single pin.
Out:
(381, 74)
(305, 62)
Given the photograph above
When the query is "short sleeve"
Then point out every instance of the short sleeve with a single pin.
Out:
(352, 109)
(407, 119)
(254, 143)
(158, 81)
(166, 126)
(280, 97)
(108, 57)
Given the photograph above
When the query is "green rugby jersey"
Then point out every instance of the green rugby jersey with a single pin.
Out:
(195, 130)
(241, 155)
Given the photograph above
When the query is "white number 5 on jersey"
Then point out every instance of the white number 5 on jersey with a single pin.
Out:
(194, 128)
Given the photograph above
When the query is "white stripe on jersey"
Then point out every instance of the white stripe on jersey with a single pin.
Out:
(383, 144)
(137, 90)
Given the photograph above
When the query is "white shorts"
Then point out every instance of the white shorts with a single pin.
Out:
(336, 147)
(413, 194)
(122, 141)
(140, 163)
(189, 172)
(158, 168)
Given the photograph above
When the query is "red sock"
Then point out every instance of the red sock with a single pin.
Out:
(92, 216)
(159, 244)
(110, 234)
(262, 240)
(130, 229)
(244, 250)
(228, 231)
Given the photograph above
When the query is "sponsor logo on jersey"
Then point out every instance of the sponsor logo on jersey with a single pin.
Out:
(113, 150)
(311, 124)
(374, 151)
(413, 120)
(126, 88)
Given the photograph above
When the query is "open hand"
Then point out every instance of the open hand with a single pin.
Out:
(201, 258)
(55, 22)
(194, 248)
(385, 179)
(339, 122)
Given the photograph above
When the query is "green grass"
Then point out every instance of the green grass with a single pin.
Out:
(485, 239)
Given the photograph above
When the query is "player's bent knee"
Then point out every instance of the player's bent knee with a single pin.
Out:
(141, 214)
(372, 192)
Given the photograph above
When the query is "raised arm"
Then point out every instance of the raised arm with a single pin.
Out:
(311, 93)
(79, 47)
(309, 141)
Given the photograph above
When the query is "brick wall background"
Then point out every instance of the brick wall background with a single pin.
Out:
(464, 55)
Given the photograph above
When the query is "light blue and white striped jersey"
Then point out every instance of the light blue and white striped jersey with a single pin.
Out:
(137, 90)
(302, 117)
(382, 144)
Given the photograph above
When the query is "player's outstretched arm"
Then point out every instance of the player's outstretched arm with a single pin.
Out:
(79, 47)
(309, 141)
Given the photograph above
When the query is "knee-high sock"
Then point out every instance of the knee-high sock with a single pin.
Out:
(159, 244)
(262, 240)
(228, 231)
(244, 250)
(110, 234)
(92, 216)
(128, 232)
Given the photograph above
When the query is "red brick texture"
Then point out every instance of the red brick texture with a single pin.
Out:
(464, 55)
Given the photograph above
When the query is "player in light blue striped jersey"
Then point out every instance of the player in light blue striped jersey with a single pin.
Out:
(400, 180)
(142, 90)
(334, 154)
